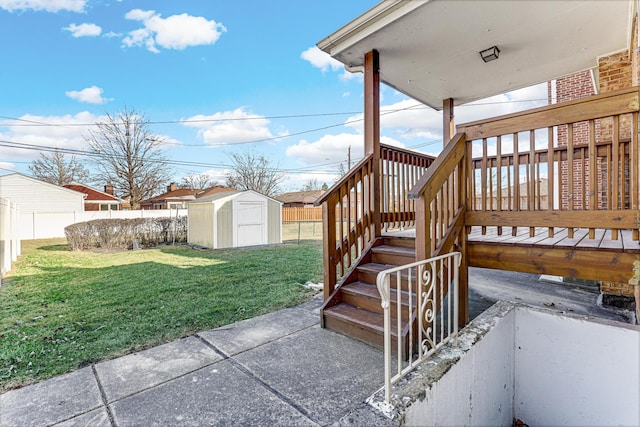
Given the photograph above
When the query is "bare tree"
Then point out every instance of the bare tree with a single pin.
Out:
(54, 168)
(342, 171)
(313, 185)
(198, 181)
(253, 172)
(129, 156)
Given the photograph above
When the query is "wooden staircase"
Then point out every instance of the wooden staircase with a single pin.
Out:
(354, 309)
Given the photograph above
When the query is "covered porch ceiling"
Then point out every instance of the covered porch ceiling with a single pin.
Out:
(429, 49)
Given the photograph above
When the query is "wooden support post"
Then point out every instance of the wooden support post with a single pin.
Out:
(448, 126)
(372, 132)
(463, 278)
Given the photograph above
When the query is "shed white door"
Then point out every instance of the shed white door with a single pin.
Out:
(251, 223)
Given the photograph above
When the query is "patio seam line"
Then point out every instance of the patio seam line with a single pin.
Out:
(103, 396)
(225, 356)
(162, 383)
(239, 366)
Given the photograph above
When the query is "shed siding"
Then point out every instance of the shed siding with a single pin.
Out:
(36, 196)
(274, 226)
(200, 231)
(225, 224)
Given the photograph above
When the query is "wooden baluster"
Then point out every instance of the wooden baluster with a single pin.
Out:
(516, 179)
(483, 183)
(329, 243)
(583, 171)
(538, 204)
(633, 172)
(550, 176)
(615, 158)
(570, 172)
(593, 174)
(349, 242)
(499, 177)
(343, 251)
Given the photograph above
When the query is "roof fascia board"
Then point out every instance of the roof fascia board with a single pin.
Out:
(366, 24)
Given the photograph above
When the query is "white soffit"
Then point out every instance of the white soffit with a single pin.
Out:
(429, 49)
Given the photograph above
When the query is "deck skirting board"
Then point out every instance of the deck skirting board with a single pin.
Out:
(600, 264)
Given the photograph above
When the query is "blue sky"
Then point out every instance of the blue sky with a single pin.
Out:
(213, 78)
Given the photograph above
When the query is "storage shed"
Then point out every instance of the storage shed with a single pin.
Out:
(234, 219)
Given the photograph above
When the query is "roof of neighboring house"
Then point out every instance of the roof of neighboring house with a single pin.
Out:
(429, 50)
(91, 193)
(187, 194)
(306, 197)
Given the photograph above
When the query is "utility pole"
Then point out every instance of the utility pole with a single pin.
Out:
(349, 158)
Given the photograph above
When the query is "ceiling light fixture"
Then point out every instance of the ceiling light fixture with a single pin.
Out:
(490, 54)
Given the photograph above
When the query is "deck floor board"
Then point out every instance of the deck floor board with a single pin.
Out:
(560, 239)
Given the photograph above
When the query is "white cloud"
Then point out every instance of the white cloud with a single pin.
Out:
(229, 127)
(61, 132)
(6, 167)
(323, 61)
(89, 95)
(333, 149)
(46, 5)
(84, 30)
(410, 120)
(175, 32)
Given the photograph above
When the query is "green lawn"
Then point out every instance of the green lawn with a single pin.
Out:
(62, 310)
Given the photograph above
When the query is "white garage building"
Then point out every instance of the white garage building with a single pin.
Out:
(234, 219)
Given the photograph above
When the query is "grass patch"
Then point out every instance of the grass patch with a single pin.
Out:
(62, 310)
(292, 232)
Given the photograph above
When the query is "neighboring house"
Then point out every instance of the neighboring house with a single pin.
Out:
(33, 195)
(177, 198)
(300, 199)
(97, 200)
(234, 219)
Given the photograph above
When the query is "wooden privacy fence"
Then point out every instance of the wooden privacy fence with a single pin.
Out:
(311, 214)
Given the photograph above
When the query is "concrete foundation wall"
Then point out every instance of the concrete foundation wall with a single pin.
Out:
(517, 362)
(575, 372)
(478, 389)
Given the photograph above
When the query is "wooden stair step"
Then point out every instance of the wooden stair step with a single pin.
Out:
(360, 324)
(368, 272)
(366, 296)
(408, 242)
(394, 255)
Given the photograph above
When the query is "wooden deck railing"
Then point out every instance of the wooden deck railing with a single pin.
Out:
(571, 165)
(441, 196)
(401, 170)
(441, 201)
(371, 197)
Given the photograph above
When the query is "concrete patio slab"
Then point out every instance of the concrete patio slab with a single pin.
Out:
(241, 336)
(51, 401)
(325, 373)
(136, 372)
(219, 394)
(96, 418)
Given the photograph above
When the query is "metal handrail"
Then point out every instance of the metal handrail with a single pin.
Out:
(437, 320)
